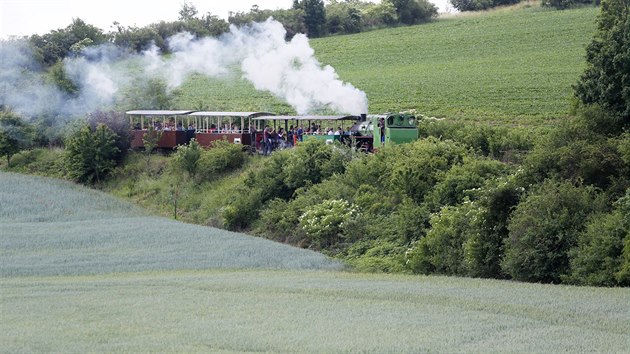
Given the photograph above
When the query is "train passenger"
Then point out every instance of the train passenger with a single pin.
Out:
(180, 126)
(290, 135)
(300, 133)
(191, 126)
(267, 141)
(381, 125)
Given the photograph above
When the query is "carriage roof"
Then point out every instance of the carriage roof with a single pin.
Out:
(231, 114)
(154, 112)
(307, 117)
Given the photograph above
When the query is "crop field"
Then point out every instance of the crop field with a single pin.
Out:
(50, 227)
(82, 271)
(503, 67)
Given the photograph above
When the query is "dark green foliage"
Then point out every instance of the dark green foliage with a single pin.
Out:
(187, 157)
(119, 124)
(497, 142)
(285, 172)
(544, 228)
(460, 181)
(416, 168)
(138, 39)
(15, 135)
(477, 5)
(91, 155)
(149, 94)
(411, 12)
(58, 44)
(576, 153)
(606, 81)
(59, 77)
(222, 157)
(442, 250)
(312, 162)
(343, 17)
(567, 4)
(314, 16)
(598, 257)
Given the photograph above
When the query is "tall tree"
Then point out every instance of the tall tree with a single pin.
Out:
(314, 16)
(606, 81)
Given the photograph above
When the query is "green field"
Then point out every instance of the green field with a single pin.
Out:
(83, 271)
(506, 66)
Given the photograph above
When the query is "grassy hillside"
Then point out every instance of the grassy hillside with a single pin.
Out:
(82, 271)
(505, 66)
(48, 227)
(299, 311)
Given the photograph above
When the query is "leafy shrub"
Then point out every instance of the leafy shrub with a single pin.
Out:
(576, 153)
(598, 258)
(324, 222)
(187, 157)
(544, 228)
(119, 124)
(91, 155)
(220, 158)
(566, 4)
(477, 5)
(312, 162)
(414, 168)
(442, 250)
(496, 142)
(459, 182)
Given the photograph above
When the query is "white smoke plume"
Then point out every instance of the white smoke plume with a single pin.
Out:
(289, 70)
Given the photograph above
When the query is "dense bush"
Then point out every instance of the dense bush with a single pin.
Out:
(598, 258)
(91, 154)
(567, 4)
(187, 157)
(477, 5)
(576, 153)
(222, 157)
(545, 227)
(606, 80)
(119, 124)
(324, 222)
(462, 180)
(442, 249)
(496, 142)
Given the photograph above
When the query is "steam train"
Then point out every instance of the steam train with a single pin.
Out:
(364, 132)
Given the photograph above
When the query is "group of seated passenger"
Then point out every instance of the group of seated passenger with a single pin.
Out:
(226, 128)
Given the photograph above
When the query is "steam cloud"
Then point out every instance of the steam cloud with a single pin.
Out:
(288, 70)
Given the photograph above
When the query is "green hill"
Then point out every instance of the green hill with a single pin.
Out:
(502, 66)
(50, 227)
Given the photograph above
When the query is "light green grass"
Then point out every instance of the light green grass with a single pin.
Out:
(84, 272)
(506, 67)
(51, 227)
(300, 311)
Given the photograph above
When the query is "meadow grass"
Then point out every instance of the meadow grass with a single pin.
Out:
(306, 311)
(504, 67)
(51, 227)
(82, 271)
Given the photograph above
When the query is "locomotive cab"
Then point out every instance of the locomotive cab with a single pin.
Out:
(394, 128)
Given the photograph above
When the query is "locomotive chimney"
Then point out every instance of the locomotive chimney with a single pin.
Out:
(363, 117)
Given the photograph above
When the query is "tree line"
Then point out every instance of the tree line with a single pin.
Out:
(311, 17)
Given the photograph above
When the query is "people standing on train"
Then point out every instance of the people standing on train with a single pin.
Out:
(266, 141)
(290, 134)
(382, 128)
(300, 133)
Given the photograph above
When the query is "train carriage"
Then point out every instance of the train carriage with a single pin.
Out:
(170, 123)
(234, 127)
(178, 127)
